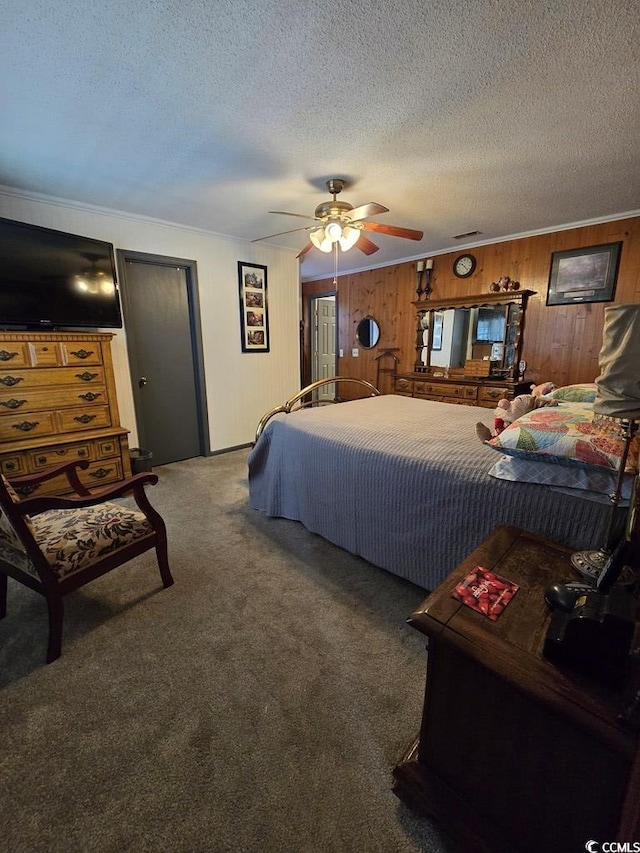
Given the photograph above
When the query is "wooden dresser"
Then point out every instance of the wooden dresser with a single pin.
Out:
(58, 403)
(516, 753)
(465, 390)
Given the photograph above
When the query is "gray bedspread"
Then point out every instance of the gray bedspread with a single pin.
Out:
(404, 483)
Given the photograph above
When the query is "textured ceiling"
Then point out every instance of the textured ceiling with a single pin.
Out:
(504, 116)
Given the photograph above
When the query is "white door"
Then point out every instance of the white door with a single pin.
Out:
(323, 344)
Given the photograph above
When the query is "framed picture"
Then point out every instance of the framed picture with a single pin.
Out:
(254, 319)
(584, 275)
(438, 320)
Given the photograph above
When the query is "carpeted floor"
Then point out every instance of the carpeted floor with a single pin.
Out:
(257, 705)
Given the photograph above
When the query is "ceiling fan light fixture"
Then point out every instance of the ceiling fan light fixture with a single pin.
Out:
(317, 237)
(333, 231)
(320, 240)
(350, 237)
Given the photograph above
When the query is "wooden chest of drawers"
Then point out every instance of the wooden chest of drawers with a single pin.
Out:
(464, 390)
(57, 403)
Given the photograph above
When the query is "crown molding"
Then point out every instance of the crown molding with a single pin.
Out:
(552, 229)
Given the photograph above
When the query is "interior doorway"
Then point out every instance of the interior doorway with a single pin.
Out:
(323, 343)
(162, 322)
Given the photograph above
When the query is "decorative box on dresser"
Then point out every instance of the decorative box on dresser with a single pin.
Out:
(58, 403)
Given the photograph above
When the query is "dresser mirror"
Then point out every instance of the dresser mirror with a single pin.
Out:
(368, 332)
(464, 331)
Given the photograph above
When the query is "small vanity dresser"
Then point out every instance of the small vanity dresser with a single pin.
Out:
(468, 349)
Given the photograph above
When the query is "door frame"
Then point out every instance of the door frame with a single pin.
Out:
(315, 337)
(307, 336)
(195, 330)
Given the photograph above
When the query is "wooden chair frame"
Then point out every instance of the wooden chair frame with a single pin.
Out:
(48, 585)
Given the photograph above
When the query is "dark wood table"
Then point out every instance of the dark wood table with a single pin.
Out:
(514, 752)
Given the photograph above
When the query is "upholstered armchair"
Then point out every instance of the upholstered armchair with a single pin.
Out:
(54, 545)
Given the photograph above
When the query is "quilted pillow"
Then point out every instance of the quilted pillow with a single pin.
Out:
(566, 435)
(585, 393)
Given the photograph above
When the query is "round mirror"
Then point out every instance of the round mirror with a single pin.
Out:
(368, 332)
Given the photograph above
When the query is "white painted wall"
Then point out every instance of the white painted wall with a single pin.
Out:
(240, 387)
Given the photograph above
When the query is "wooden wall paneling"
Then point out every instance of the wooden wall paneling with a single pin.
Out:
(561, 342)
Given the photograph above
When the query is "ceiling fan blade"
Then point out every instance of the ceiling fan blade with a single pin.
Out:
(370, 209)
(366, 245)
(304, 251)
(286, 213)
(393, 230)
(280, 233)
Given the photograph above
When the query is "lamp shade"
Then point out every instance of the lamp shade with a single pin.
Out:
(320, 240)
(618, 385)
(333, 231)
(350, 237)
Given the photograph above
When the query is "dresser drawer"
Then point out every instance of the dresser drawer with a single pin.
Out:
(81, 352)
(444, 389)
(27, 425)
(97, 475)
(13, 464)
(493, 393)
(106, 447)
(37, 377)
(404, 386)
(77, 419)
(47, 457)
(14, 355)
(44, 354)
(36, 399)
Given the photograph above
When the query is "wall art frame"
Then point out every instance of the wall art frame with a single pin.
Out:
(254, 317)
(584, 275)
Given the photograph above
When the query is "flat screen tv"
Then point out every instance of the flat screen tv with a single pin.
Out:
(50, 279)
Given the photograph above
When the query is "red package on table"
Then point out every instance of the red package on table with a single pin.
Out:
(486, 592)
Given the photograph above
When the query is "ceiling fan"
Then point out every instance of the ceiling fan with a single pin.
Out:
(341, 224)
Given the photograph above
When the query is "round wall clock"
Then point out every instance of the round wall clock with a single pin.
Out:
(464, 265)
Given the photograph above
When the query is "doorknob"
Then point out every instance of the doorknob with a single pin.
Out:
(142, 381)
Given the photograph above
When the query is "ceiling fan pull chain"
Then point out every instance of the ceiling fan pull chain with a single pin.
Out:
(335, 264)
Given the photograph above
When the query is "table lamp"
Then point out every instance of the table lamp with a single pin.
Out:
(616, 409)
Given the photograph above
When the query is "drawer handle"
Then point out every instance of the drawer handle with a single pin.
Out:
(7, 356)
(10, 381)
(100, 473)
(82, 353)
(89, 396)
(84, 419)
(86, 376)
(26, 426)
(9, 466)
(12, 404)
(493, 394)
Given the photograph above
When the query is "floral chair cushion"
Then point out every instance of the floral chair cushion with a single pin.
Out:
(74, 539)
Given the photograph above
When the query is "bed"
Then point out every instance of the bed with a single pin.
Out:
(406, 484)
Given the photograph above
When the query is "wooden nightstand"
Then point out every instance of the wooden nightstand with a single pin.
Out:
(513, 752)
